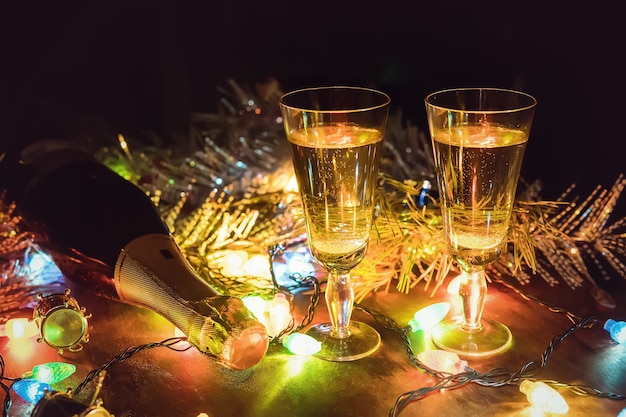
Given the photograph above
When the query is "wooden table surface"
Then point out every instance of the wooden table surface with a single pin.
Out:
(162, 382)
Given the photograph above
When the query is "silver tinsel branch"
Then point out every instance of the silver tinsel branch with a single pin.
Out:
(25, 269)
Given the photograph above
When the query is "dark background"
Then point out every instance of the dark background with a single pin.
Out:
(97, 68)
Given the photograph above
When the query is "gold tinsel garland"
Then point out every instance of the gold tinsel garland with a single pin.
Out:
(241, 181)
(234, 191)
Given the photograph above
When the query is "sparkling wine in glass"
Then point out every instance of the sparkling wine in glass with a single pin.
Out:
(335, 135)
(479, 136)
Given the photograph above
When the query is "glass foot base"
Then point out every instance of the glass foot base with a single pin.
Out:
(363, 341)
(494, 337)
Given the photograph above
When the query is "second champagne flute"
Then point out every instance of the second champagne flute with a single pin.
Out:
(479, 136)
(336, 134)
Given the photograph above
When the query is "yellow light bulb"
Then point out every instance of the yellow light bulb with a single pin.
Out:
(232, 262)
(292, 185)
(543, 396)
(279, 314)
(257, 306)
(257, 266)
(21, 328)
(453, 286)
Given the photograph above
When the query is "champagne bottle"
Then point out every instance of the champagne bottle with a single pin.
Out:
(113, 240)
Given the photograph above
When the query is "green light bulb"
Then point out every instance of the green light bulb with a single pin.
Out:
(301, 344)
(51, 372)
(429, 316)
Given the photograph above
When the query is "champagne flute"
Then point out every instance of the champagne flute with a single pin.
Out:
(479, 136)
(335, 135)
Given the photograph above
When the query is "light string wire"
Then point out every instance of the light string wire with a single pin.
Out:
(129, 352)
(494, 378)
(6, 388)
(301, 282)
(126, 354)
(551, 307)
(497, 377)
(310, 314)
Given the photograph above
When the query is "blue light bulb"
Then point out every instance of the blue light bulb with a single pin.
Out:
(30, 389)
(617, 330)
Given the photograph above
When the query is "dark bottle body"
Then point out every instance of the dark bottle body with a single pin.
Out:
(111, 239)
(86, 205)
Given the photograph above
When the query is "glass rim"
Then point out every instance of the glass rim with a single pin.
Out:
(532, 103)
(385, 99)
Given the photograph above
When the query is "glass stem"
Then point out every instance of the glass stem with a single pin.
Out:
(340, 300)
(473, 292)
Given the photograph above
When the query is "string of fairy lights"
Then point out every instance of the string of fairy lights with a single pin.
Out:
(452, 372)
(232, 199)
(449, 370)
